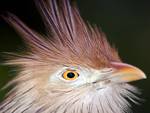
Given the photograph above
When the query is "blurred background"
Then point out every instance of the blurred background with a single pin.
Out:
(125, 22)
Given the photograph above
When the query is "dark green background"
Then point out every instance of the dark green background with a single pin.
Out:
(126, 23)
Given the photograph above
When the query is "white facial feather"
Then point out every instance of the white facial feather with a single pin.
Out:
(78, 96)
(86, 76)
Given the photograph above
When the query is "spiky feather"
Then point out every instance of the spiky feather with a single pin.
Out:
(69, 39)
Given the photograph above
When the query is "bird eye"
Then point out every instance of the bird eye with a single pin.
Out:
(70, 75)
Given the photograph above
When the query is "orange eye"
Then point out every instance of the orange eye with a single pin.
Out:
(70, 75)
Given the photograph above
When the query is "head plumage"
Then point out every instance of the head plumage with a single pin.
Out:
(71, 45)
(69, 40)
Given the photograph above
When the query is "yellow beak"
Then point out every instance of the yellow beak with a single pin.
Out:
(126, 73)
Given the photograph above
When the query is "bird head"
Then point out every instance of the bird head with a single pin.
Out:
(71, 69)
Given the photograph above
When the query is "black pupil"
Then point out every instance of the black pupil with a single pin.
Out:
(70, 75)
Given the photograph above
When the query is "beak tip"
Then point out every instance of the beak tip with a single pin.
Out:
(144, 76)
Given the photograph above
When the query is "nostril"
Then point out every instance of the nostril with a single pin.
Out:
(94, 82)
(107, 70)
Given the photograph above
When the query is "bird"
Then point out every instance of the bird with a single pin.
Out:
(72, 68)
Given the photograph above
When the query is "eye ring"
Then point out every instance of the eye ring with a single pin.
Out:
(70, 75)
